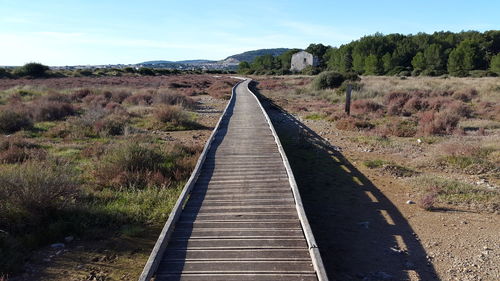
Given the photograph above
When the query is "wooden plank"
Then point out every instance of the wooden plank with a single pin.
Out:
(237, 267)
(243, 196)
(237, 217)
(246, 243)
(240, 254)
(241, 190)
(219, 209)
(249, 225)
(237, 233)
(237, 277)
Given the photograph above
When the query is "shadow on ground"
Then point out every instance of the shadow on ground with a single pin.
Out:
(360, 233)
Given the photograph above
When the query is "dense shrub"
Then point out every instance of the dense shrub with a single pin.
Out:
(11, 121)
(79, 94)
(52, 110)
(111, 125)
(4, 73)
(119, 96)
(365, 106)
(488, 110)
(399, 128)
(172, 114)
(140, 99)
(350, 123)
(328, 80)
(32, 69)
(395, 102)
(176, 85)
(437, 123)
(174, 99)
(141, 165)
(16, 150)
(36, 187)
(146, 71)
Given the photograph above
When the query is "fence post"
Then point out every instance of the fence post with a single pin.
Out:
(348, 99)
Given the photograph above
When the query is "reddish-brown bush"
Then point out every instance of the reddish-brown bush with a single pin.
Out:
(119, 96)
(111, 125)
(437, 123)
(51, 110)
(16, 150)
(140, 99)
(466, 96)
(14, 119)
(414, 105)
(395, 102)
(80, 94)
(489, 110)
(353, 124)
(365, 107)
(399, 128)
(220, 89)
(174, 99)
(172, 114)
(95, 101)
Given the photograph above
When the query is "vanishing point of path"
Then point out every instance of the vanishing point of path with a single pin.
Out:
(242, 220)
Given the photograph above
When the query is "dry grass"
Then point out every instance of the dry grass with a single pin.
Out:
(378, 86)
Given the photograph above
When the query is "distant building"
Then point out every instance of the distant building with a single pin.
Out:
(303, 59)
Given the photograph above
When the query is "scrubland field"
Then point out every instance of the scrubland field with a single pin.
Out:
(407, 186)
(96, 164)
(425, 152)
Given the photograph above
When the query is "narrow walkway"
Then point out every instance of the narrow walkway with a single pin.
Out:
(241, 221)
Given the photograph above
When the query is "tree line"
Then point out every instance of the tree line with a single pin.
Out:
(458, 54)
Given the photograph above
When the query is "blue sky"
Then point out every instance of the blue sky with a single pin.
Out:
(109, 32)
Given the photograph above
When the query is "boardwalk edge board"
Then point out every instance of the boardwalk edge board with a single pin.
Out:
(161, 244)
(155, 259)
(311, 242)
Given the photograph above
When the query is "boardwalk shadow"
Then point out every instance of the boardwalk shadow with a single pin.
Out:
(360, 233)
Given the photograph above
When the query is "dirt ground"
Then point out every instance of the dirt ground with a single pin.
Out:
(365, 227)
(121, 257)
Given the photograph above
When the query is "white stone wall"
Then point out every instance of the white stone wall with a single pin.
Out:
(301, 60)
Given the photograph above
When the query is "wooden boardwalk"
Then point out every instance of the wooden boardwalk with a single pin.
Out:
(243, 218)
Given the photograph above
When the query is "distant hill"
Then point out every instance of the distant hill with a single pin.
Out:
(156, 62)
(230, 62)
(251, 55)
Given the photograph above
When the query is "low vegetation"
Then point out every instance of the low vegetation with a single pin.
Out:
(435, 190)
(35, 70)
(91, 162)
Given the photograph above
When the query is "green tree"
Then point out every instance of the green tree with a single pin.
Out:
(32, 69)
(495, 64)
(418, 62)
(318, 50)
(373, 65)
(464, 58)
(358, 63)
(434, 58)
(387, 62)
(286, 58)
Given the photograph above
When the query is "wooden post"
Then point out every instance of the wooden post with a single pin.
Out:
(348, 99)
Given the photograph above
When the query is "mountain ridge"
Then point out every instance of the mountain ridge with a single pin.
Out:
(247, 56)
